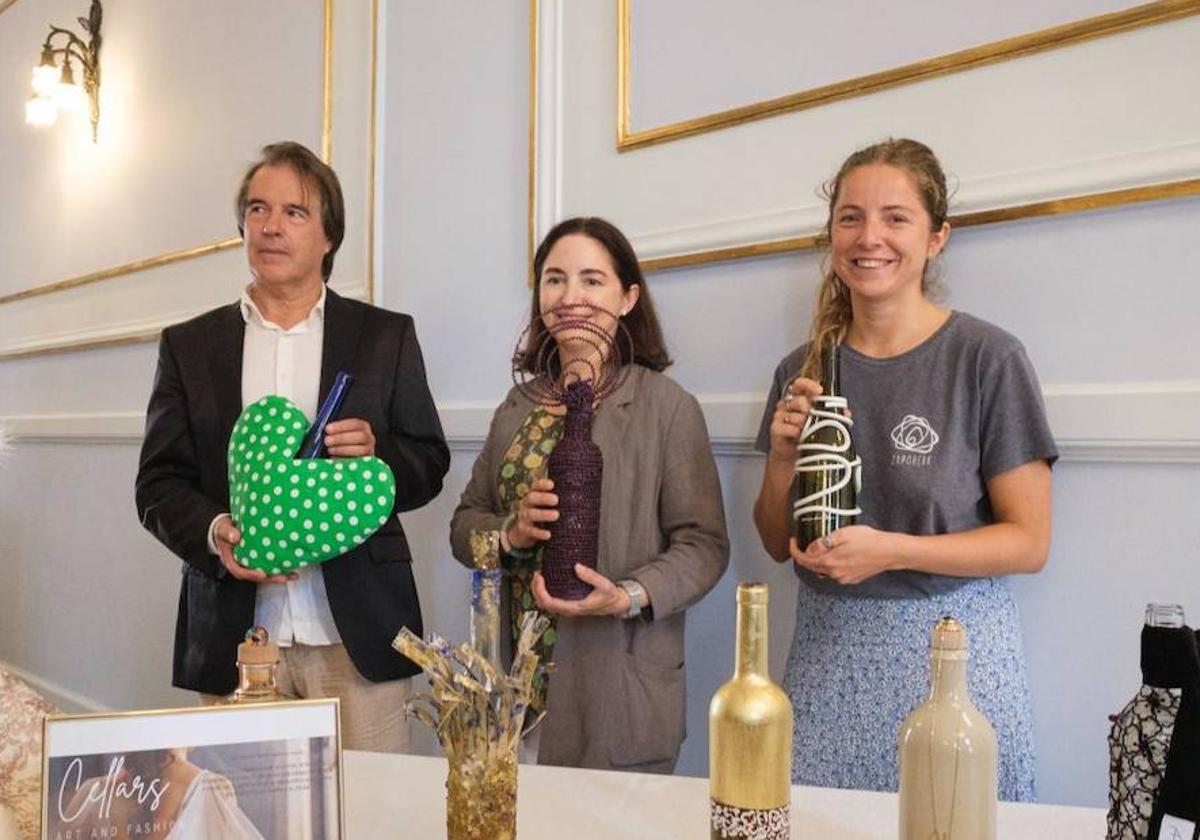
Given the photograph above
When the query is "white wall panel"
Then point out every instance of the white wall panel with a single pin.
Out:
(1105, 114)
(688, 61)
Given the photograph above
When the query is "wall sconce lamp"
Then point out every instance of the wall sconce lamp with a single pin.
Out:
(55, 87)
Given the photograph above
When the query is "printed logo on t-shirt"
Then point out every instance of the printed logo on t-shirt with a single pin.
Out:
(915, 439)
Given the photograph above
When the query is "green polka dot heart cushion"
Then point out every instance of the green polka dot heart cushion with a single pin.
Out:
(293, 512)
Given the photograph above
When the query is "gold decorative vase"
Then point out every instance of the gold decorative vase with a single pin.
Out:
(475, 708)
(481, 796)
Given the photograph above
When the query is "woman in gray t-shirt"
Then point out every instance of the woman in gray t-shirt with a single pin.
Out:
(956, 454)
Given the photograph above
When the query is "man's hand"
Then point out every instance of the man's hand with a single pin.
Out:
(350, 438)
(226, 535)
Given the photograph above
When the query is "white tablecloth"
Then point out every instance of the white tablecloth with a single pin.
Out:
(403, 796)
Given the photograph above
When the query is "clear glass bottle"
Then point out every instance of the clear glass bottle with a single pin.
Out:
(824, 492)
(750, 736)
(948, 752)
(486, 580)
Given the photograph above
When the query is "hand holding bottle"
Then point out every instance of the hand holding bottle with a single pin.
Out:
(606, 598)
(536, 508)
(848, 555)
(791, 412)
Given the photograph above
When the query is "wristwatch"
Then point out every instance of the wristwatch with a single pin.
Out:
(637, 597)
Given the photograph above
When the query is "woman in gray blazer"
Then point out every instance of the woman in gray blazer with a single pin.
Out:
(616, 696)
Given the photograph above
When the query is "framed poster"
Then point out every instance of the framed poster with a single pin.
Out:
(266, 770)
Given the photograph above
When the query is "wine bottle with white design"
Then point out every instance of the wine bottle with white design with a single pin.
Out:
(750, 737)
(948, 752)
(828, 476)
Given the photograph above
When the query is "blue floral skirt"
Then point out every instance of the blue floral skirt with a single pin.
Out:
(858, 666)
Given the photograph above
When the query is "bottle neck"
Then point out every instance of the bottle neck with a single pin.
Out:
(578, 422)
(948, 676)
(751, 658)
(831, 385)
(1164, 615)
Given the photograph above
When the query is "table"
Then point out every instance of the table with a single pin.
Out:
(403, 796)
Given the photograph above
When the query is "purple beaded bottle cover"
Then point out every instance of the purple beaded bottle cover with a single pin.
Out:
(576, 466)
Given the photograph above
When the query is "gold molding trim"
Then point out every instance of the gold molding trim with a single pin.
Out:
(85, 344)
(735, 252)
(117, 271)
(1052, 207)
(624, 73)
(1054, 37)
(530, 233)
(224, 244)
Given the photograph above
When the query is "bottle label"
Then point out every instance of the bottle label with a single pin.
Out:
(732, 823)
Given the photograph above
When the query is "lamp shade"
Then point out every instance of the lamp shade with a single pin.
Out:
(40, 111)
(45, 79)
(69, 97)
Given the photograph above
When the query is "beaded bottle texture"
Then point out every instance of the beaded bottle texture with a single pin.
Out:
(576, 466)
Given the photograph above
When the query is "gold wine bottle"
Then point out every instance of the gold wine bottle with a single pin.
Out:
(947, 752)
(750, 736)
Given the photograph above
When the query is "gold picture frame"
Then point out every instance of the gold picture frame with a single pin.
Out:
(103, 768)
(140, 265)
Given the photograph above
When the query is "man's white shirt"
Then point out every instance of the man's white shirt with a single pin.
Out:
(287, 363)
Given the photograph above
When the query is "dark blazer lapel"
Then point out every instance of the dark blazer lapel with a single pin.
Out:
(343, 328)
(225, 341)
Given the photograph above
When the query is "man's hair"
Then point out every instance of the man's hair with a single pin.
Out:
(313, 172)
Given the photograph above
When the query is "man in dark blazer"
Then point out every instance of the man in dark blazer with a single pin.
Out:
(289, 335)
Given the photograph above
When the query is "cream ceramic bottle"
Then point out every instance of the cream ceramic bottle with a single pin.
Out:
(947, 752)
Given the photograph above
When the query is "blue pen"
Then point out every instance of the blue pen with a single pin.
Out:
(313, 445)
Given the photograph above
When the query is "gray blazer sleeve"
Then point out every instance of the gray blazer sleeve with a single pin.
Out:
(479, 507)
(691, 516)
